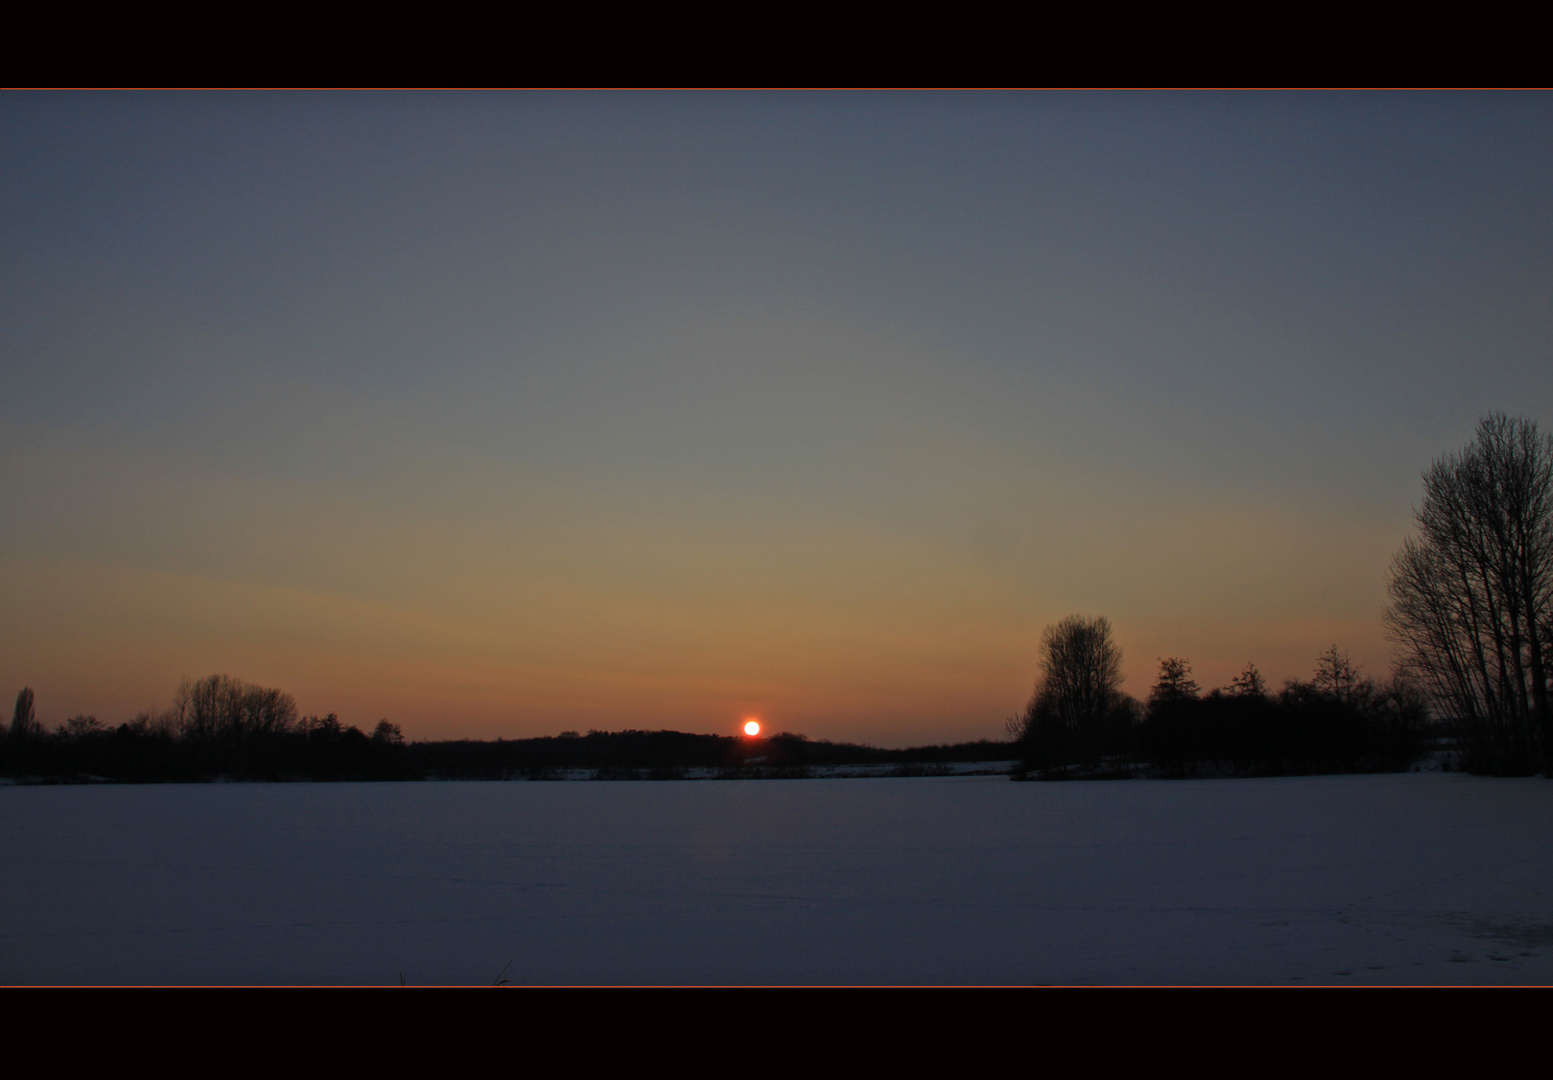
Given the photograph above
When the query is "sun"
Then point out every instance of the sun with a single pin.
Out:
(752, 727)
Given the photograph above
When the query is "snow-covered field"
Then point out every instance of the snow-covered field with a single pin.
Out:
(1417, 878)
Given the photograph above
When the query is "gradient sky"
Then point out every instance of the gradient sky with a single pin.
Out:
(503, 414)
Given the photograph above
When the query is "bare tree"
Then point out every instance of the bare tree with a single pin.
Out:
(81, 726)
(1472, 594)
(1337, 677)
(386, 734)
(1078, 698)
(221, 706)
(23, 721)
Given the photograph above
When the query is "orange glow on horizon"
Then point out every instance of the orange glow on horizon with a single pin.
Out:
(752, 727)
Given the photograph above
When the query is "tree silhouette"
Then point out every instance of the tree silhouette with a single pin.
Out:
(1173, 727)
(1472, 594)
(1249, 683)
(1336, 675)
(387, 734)
(1175, 681)
(1077, 713)
(23, 721)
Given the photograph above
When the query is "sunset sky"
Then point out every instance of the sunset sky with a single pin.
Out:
(503, 414)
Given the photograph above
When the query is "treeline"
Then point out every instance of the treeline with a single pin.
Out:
(1337, 722)
(218, 727)
(661, 755)
(224, 728)
(1078, 723)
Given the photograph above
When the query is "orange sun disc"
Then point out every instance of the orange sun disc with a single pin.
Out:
(752, 727)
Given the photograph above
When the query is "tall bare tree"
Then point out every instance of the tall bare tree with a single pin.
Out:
(23, 721)
(1078, 699)
(1472, 593)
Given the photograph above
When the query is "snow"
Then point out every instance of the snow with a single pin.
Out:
(1412, 878)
